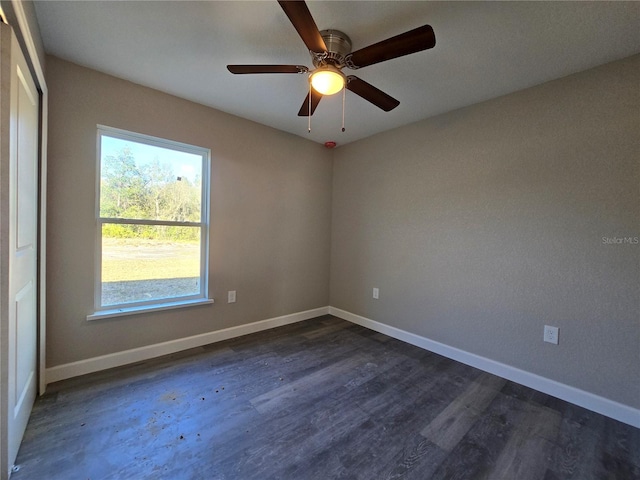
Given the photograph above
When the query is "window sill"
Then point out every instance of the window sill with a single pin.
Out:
(121, 312)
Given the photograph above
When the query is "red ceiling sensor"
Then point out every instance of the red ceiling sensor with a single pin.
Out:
(330, 144)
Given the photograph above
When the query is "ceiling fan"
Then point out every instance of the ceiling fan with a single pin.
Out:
(331, 52)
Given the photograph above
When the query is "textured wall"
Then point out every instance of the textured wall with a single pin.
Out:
(270, 214)
(482, 225)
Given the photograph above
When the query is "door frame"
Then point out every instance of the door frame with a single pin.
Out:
(12, 12)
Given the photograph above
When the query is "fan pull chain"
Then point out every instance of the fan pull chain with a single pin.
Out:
(309, 127)
(344, 95)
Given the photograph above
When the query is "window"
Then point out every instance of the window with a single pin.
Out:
(152, 222)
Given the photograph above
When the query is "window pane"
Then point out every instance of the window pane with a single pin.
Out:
(142, 262)
(146, 182)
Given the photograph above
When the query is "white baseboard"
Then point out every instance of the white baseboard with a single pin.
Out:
(118, 359)
(596, 403)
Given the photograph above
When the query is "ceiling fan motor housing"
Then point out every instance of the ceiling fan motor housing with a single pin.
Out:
(338, 47)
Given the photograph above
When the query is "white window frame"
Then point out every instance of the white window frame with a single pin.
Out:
(163, 303)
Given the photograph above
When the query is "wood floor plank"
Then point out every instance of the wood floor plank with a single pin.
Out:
(418, 459)
(328, 329)
(313, 384)
(478, 451)
(454, 422)
(598, 448)
(528, 450)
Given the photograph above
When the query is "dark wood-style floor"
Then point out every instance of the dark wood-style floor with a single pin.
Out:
(320, 399)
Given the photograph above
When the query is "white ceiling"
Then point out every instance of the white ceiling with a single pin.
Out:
(483, 50)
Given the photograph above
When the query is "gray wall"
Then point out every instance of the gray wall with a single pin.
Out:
(270, 214)
(482, 225)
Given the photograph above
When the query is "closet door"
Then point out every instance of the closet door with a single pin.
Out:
(19, 240)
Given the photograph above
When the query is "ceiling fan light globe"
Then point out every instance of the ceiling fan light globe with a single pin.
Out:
(327, 82)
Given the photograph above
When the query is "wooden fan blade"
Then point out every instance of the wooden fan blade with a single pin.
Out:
(371, 93)
(247, 69)
(315, 100)
(301, 18)
(413, 41)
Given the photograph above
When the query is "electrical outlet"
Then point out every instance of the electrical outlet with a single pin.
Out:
(231, 296)
(376, 293)
(551, 334)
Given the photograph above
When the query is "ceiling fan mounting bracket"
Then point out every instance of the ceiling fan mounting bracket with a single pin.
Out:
(338, 47)
(349, 63)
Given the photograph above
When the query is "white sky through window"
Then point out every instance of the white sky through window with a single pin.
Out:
(184, 164)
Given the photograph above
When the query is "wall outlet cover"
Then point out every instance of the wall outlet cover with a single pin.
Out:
(551, 334)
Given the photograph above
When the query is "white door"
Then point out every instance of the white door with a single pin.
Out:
(23, 248)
